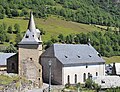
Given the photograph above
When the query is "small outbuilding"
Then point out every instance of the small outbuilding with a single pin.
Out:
(3, 61)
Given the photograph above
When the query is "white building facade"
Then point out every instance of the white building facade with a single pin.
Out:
(77, 74)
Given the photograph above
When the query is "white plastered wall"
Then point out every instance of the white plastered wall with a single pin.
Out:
(79, 71)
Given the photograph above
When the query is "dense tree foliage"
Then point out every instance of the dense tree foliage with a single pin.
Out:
(107, 44)
(103, 12)
(10, 49)
(5, 33)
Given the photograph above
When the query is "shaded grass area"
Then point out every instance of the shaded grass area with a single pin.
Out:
(112, 59)
(13, 81)
(5, 80)
(52, 25)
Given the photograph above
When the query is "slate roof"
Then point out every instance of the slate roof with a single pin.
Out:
(4, 56)
(74, 54)
(32, 34)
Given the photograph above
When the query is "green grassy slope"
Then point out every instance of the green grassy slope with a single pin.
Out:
(112, 59)
(52, 25)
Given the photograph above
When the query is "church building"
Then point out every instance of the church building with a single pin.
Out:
(70, 63)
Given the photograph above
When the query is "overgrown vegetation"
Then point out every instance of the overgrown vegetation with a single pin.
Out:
(5, 32)
(103, 12)
(113, 90)
(88, 86)
(107, 44)
(112, 59)
(13, 82)
(92, 85)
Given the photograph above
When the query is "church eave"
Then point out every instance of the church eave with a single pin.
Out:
(29, 43)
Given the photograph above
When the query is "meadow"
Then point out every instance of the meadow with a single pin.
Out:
(53, 26)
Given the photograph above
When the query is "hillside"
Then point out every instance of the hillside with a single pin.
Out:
(112, 59)
(101, 12)
(52, 26)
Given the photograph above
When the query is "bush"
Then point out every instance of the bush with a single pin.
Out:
(15, 13)
(67, 85)
(10, 49)
(96, 87)
(92, 85)
(88, 83)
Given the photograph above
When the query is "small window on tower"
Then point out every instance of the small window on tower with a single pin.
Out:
(30, 58)
(33, 35)
(39, 70)
(26, 36)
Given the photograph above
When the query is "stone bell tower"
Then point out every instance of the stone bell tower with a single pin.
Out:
(30, 49)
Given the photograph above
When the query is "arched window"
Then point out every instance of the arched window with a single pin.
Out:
(84, 77)
(68, 79)
(13, 66)
(39, 70)
(88, 75)
(75, 78)
(96, 73)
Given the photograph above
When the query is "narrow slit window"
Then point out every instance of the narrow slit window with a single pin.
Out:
(84, 77)
(96, 73)
(78, 56)
(86, 65)
(88, 75)
(68, 79)
(75, 78)
(30, 58)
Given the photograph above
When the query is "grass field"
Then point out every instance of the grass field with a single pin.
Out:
(112, 59)
(105, 27)
(5, 80)
(52, 25)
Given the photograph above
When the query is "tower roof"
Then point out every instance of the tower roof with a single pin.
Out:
(32, 35)
(31, 24)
